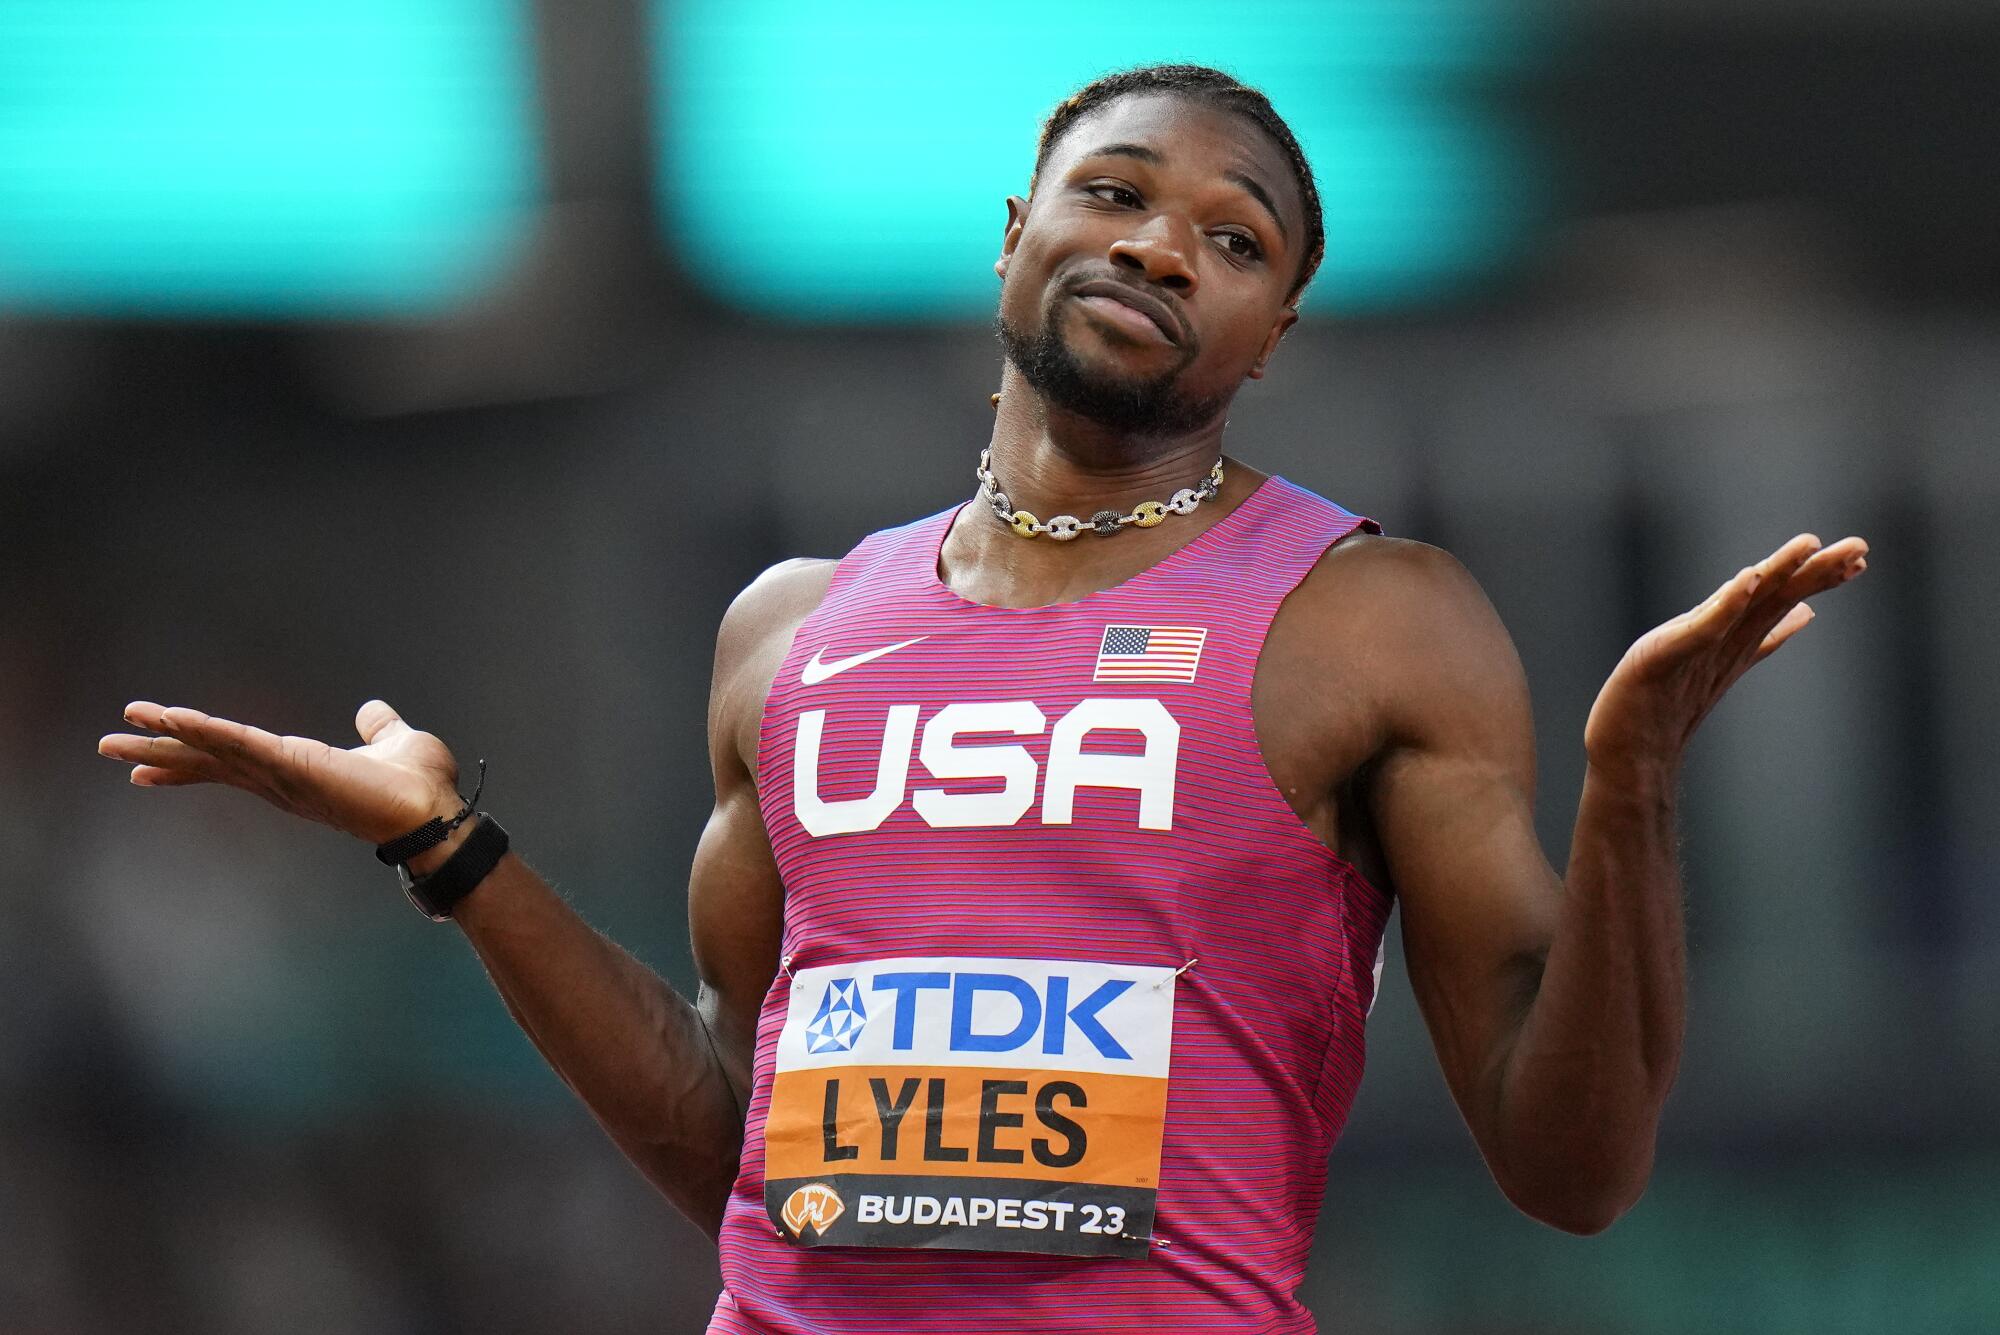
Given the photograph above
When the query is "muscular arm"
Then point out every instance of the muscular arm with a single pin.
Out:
(1556, 1005)
(668, 1079)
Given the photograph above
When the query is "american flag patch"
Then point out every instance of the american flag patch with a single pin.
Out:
(1149, 653)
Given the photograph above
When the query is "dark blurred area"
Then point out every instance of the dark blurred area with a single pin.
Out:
(244, 1088)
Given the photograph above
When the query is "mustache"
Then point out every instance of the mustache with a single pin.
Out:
(1142, 296)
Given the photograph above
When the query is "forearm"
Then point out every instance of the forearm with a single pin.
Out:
(639, 1055)
(1582, 1086)
(636, 1052)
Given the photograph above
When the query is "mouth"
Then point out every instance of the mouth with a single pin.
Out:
(1139, 314)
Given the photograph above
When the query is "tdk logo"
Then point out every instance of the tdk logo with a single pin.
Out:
(987, 1012)
(878, 1023)
(839, 1019)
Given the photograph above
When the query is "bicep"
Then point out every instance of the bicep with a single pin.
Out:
(736, 899)
(1452, 802)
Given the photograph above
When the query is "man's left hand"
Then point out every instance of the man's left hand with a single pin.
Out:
(1673, 675)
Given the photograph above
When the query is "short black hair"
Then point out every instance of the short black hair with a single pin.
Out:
(1218, 89)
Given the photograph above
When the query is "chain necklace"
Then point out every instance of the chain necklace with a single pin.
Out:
(1105, 522)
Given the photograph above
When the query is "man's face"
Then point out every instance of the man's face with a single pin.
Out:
(1149, 274)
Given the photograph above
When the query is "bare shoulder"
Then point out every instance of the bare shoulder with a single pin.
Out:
(1397, 590)
(750, 646)
(1407, 631)
(1382, 559)
(774, 602)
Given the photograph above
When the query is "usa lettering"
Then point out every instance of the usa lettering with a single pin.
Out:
(1149, 774)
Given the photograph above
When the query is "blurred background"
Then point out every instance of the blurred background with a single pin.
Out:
(473, 353)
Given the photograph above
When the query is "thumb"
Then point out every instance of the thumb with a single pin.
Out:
(374, 720)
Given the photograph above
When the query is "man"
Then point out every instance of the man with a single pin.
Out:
(1041, 905)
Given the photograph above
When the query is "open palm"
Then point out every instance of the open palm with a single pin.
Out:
(1675, 673)
(395, 781)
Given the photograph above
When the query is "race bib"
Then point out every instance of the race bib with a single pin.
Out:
(983, 1104)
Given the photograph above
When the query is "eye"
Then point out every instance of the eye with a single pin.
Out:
(1242, 245)
(1113, 193)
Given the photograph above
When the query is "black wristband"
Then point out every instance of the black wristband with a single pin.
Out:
(436, 894)
(431, 833)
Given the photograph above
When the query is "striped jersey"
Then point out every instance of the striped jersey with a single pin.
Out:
(1070, 1006)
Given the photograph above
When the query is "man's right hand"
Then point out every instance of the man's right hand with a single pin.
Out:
(669, 1078)
(392, 783)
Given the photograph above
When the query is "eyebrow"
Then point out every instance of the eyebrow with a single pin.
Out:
(1250, 185)
(1257, 192)
(1139, 151)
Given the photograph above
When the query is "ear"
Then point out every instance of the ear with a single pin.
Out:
(1286, 319)
(1017, 217)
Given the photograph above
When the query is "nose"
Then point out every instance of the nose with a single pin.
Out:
(1163, 251)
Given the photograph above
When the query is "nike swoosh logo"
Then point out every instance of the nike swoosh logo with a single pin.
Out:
(815, 672)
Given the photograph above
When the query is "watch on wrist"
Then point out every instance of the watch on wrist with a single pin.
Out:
(436, 894)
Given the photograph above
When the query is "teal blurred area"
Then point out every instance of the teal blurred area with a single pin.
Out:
(847, 162)
(246, 159)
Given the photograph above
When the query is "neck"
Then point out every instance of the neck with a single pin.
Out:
(1052, 462)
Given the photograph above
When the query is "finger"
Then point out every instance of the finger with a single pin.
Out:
(158, 752)
(1849, 548)
(1793, 622)
(1723, 608)
(237, 744)
(1792, 551)
(152, 776)
(374, 719)
(143, 714)
(1825, 569)
(1778, 569)
(1829, 567)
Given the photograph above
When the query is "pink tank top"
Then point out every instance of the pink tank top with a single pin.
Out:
(1071, 1003)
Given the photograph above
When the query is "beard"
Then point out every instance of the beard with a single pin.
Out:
(1152, 405)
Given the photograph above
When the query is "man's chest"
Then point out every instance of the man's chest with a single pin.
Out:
(1109, 720)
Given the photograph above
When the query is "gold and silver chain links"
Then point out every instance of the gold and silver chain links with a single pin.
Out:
(1105, 522)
